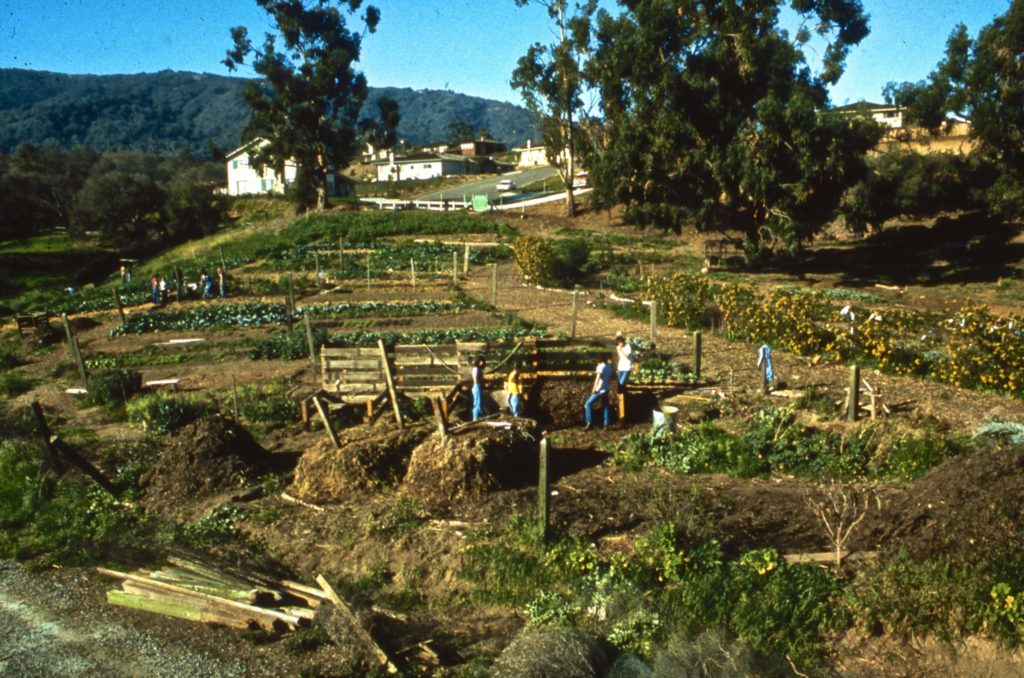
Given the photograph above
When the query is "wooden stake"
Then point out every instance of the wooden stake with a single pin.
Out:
(69, 334)
(543, 510)
(442, 425)
(465, 259)
(455, 267)
(357, 628)
(696, 354)
(575, 306)
(390, 382)
(120, 308)
(79, 363)
(494, 284)
(289, 302)
(309, 342)
(412, 268)
(853, 398)
(322, 411)
(234, 396)
(654, 322)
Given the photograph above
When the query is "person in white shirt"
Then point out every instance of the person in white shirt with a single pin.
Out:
(625, 359)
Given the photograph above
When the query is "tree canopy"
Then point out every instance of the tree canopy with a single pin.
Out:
(981, 80)
(715, 117)
(308, 102)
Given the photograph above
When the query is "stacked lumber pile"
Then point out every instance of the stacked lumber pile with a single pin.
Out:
(197, 592)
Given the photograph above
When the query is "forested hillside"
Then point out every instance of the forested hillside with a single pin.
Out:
(173, 111)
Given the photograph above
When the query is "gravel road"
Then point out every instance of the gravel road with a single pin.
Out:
(58, 623)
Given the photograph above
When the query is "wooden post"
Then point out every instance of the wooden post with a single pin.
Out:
(120, 308)
(442, 425)
(304, 413)
(575, 306)
(49, 455)
(412, 267)
(289, 302)
(494, 284)
(696, 354)
(465, 259)
(853, 399)
(79, 363)
(309, 342)
(543, 491)
(390, 382)
(234, 397)
(69, 334)
(455, 267)
(223, 265)
(654, 322)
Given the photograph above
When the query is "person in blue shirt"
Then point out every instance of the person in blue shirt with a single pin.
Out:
(603, 374)
(477, 374)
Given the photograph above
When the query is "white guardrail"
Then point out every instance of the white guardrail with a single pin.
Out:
(446, 205)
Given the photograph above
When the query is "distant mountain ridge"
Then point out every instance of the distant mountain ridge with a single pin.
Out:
(173, 111)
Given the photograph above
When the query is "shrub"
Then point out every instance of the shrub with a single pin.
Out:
(268, 406)
(14, 383)
(110, 388)
(163, 413)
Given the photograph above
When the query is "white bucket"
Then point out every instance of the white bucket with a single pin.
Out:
(664, 419)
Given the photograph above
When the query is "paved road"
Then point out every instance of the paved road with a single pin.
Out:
(487, 186)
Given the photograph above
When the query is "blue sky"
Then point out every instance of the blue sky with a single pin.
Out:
(467, 46)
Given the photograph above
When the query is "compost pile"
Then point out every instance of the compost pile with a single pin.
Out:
(370, 457)
(447, 469)
(963, 507)
(201, 461)
(559, 402)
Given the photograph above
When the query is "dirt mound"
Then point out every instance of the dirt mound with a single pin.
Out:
(964, 507)
(445, 470)
(559, 402)
(201, 461)
(370, 457)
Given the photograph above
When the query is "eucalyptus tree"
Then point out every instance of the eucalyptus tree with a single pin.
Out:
(551, 79)
(307, 99)
(715, 117)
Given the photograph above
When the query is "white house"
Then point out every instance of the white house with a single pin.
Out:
(531, 156)
(243, 179)
(425, 166)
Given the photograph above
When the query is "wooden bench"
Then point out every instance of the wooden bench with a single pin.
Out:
(722, 253)
(36, 324)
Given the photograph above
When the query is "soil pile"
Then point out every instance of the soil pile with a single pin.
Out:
(370, 457)
(963, 507)
(203, 460)
(559, 402)
(469, 464)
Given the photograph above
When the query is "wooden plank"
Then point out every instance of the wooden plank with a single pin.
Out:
(351, 363)
(356, 388)
(327, 422)
(348, 352)
(357, 628)
(391, 384)
(438, 349)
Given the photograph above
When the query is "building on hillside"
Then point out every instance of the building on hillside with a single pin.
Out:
(481, 147)
(427, 166)
(244, 179)
(953, 137)
(531, 156)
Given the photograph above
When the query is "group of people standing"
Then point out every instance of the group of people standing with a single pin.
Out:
(604, 376)
(183, 290)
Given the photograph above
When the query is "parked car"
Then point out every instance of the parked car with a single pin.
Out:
(506, 185)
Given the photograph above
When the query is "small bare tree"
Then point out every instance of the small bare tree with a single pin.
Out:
(841, 508)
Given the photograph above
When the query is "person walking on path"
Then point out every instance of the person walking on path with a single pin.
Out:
(478, 388)
(220, 281)
(154, 289)
(162, 290)
(514, 389)
(206, 282)
(625, 360)
(602, 384)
